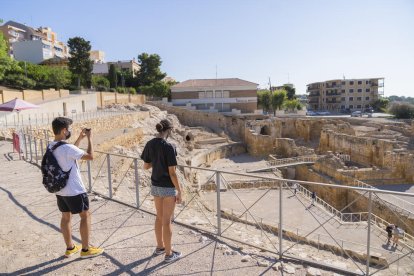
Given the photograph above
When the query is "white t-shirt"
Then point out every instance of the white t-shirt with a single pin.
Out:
(66, 156)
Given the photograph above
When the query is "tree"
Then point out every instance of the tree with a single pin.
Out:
(381, 104)
(59, 77)
(6, 63)
(150, 71)
(264, 98)
(278, 99)
(113, 76)
(157, 89)
(293, 104)
(79, 62)
(402, 110)
(290, 92)
(100, 83)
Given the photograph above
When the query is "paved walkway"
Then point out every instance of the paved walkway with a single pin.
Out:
(31, 243)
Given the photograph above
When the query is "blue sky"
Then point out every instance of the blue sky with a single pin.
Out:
(308, 40)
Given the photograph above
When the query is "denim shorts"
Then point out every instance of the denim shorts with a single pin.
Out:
(163, 191)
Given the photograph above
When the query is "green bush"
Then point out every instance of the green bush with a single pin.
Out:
(19, 81)
(120, 90)
(100, 83)
(132, 90)
(402, 110)
(112, 90)
(101, 88)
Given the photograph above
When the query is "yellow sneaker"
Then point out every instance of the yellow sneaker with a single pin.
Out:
(75, 250)
(92, 252)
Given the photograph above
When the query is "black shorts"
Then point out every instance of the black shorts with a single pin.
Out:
(74, 204)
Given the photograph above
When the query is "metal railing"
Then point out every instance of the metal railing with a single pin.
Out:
(15, 120)
(392, 201)
(120, 178)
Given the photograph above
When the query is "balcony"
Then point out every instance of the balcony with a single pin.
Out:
(333, 94)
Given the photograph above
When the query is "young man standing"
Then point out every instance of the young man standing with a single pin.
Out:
(73, 199)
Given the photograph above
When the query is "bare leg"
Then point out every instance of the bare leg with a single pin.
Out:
(66, 228)
(168, 211)
(85, 228)
(158, 201)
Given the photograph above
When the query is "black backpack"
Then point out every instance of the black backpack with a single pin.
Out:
(54, 178)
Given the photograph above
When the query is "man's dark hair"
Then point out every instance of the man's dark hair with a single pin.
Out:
(60, 123)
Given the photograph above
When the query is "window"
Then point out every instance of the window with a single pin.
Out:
(367, 105)
(343, 83)
(218, 94)
(201, 94)
(367, 90)
(226, 94)
(351, 90)
(359, 82)
(351, 99)
(366, 82)
(367, 98)
(343, 99)
(359, 106)
(209, 94)
(359, 90)
(343, 91)
(351, 82)
(351, 106)
(342, 107)
(359, 99)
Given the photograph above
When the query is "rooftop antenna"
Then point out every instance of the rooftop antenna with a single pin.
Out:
(343, 75)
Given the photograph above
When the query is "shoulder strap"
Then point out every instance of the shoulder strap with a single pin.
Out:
(58, 144)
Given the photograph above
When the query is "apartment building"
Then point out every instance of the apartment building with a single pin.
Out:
(346, 94)
(24, 43)
(97, 56)
(219, 95)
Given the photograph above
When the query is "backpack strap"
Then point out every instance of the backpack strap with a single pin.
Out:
(58, 144)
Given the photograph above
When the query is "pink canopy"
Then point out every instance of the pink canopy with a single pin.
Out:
(17, 105)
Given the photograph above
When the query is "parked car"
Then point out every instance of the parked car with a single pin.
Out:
(311, 113)
(323, 113)
(356, 114)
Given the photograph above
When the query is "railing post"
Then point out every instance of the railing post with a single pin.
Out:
(136, 180)
(35, 148)
(46, 136)
(369, 232)
(89, 176)
(218, 181)
(108, 161)
(30, 147)
(25, 145)
(41, 146)
(280, 220)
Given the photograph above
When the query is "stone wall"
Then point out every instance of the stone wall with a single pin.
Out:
(232, 125)
(225, 151)
(107, 98)
(370, 152)
(363, 150)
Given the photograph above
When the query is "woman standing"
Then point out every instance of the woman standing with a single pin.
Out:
(160, 155)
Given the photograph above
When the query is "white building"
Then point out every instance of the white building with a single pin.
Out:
(34, 51)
